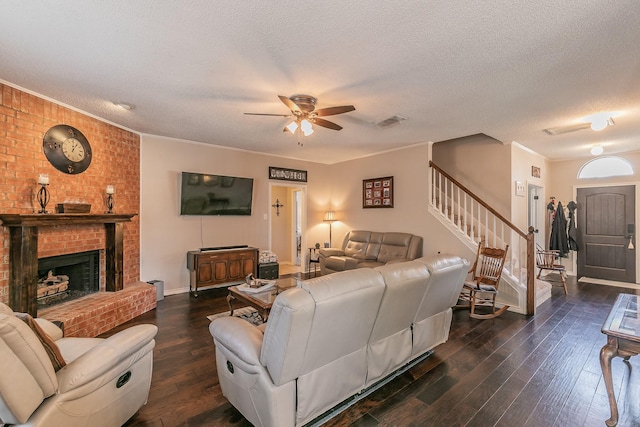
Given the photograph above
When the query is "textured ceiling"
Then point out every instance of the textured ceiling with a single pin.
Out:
(505, 68)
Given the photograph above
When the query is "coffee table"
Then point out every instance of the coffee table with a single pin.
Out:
(622, 329)
(261, 301)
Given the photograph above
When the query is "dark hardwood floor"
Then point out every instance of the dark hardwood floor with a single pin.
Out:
(509, 371)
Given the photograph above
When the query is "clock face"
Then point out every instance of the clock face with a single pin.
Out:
(73, 149)
(67, 149)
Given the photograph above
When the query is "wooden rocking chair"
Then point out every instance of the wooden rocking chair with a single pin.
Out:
(546, 260)
(482, 289)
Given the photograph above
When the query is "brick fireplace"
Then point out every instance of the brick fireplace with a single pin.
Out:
(23, 272)
(24, 120)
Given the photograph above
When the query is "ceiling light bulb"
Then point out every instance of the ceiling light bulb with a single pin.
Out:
(292, 127)
(599, 123)
(596, 150)
(305, 125)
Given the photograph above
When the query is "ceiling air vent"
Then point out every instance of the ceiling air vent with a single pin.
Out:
(391, 121)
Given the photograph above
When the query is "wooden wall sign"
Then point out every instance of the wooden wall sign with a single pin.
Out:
(286, 174)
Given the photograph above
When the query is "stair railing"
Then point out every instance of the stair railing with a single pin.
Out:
(478, 221)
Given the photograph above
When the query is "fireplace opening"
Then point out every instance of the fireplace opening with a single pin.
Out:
(63, 278)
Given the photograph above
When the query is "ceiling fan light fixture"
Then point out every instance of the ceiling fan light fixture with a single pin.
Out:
(292, 127)
(596, 150)
(305, 125)
(304, 115)
(599, 123)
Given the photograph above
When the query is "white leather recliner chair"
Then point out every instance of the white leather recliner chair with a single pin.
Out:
(104, 383)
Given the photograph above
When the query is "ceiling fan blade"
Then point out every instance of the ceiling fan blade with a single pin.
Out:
(326, 124)
(566, 129)
(290, 104)
(330, 111)
(267, 114)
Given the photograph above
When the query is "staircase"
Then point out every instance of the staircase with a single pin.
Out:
(472, 220)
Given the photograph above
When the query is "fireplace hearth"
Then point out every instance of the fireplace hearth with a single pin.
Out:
(67, 277)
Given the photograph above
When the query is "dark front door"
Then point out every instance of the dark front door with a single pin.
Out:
(606, 220)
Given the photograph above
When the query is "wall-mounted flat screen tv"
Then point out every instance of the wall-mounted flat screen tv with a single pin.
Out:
(204, 194)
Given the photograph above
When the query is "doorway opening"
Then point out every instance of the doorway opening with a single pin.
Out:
(535, 214)
(287, 225)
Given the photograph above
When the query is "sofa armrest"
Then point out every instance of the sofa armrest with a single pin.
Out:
(106, 356)
(239, 337)
(327, 252)
(54, 332)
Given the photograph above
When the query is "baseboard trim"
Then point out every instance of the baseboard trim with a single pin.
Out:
(609, 283)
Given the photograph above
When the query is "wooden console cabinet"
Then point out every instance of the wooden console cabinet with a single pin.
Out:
(211, 268)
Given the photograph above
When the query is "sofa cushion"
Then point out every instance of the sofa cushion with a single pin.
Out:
(340, 263)
(335, 356)
(369, 264)
(390, 343)
(355, 250)
(373, 250)
(356, 246)
(394, 246)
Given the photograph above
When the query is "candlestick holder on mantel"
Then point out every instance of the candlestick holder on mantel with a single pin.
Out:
(43, 195)
(109, 202)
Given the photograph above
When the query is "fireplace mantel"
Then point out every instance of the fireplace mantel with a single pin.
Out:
(42, 220)
(23, 251)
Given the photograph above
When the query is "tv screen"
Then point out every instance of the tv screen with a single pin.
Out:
(204, 194)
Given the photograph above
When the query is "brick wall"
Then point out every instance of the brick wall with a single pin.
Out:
(24, 119)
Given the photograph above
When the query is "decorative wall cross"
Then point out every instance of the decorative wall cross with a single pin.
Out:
(278, 205)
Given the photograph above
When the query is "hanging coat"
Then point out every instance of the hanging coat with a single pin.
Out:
(559, 240)
(571, 232)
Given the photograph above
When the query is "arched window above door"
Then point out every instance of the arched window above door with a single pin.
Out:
(603, 167)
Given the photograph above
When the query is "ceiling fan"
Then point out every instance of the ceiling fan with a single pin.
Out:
(304, 114)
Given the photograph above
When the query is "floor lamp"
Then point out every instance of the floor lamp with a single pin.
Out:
(330, 217)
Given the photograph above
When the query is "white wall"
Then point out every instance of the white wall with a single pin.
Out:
(166, 237)
(410, 170)
(522, 160)
(480, 163)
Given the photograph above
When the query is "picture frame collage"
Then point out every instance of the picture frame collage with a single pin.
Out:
(377, 193)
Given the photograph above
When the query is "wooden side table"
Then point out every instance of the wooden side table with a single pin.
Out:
(622, 329)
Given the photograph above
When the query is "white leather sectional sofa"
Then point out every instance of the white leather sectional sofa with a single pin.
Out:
(335, 336)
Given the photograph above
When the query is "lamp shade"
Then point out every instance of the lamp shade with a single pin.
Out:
(330, 216)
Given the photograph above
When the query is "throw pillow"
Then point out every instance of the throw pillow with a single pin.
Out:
(49, 345)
